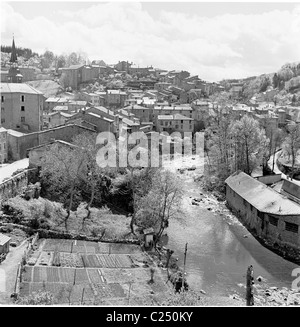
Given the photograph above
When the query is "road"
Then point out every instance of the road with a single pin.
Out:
(8, 170)
(276, 169)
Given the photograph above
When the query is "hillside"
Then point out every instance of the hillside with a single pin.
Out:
(285, 83)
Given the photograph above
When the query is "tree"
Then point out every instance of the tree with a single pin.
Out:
(219, 143)
(61, 167)
(275, 81)
(291, 143)
(161, 203)
(90, 173)
(61, 62)
(249, 140)
(47, 59)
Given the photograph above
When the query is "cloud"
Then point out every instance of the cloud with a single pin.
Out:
(223, 46)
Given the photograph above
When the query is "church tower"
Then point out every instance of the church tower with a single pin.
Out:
(14, 75)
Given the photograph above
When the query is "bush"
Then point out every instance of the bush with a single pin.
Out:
(37, 298)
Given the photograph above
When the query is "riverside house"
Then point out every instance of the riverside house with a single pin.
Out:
(270, 214)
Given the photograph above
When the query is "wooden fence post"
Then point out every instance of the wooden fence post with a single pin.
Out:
(249, 287)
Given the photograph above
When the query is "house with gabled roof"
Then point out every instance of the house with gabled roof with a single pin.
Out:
(270, 214)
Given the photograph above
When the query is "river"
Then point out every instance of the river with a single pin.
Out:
(220, 249)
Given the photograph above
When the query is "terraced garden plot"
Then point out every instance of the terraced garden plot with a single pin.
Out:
(91, 244)
(24, 289)
(109, 290)
(79, 242)
(114, 261)
(27, 274)
(70, 260)
(120, 248)
(90, 249)
(58, 244)
(81, 276)
(39, 274)
(34, 258)
(122, 275)
(53, 288)
(90, 260)
(66, 275)
(103, 248)
(53, 274)
(78, 249)
(95, 276)
(45, 259)
(78, 295)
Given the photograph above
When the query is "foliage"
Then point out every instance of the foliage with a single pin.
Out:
(291, 144)
(249, 142)
(40, 297)
(21, 52)
(161, 203)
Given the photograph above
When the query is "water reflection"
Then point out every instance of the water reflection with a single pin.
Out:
(218, 253)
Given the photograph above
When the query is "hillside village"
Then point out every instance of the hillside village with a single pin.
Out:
(67, 218)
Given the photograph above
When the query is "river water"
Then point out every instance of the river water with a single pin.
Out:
(220, 249)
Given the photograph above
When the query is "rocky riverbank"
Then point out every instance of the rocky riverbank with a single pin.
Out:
(264, 293)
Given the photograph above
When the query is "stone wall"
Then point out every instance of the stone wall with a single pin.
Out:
(13, 186)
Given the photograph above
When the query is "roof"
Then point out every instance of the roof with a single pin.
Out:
(59, 108)
(103, 109)
(52, 142)
(99, 117)
(15, 133)
(135, 106)
(2, 129)
(173, 117)
(18, 88)
(262, 197)
(4, 239)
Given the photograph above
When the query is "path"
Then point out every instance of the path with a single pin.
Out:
(277, 170)
(8, 272)
(8, 170)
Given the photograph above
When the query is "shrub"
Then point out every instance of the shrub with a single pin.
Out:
(37, 298)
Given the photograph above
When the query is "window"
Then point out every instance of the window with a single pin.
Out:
(273, 221)
(245, 202)
(290, 227)
(22, 108)
(22, 119)
(2, 108)
(17, 126)
(181, 126)
(2, 98)
(176, 126)
(166, 123)
(2, 120)
(182, 122)
(22, 98)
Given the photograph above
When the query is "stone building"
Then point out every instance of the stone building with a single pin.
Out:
(268, 213)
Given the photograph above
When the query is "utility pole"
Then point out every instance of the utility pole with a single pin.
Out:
(185, 251)
(249, 287)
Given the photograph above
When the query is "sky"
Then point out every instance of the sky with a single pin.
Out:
(214, 40)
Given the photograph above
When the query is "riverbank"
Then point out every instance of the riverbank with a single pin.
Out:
(220, 248)
(264, 293)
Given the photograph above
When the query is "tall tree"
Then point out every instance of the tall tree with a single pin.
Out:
(250, 142)
(161, 203)
(61, 167)
(291, 144)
